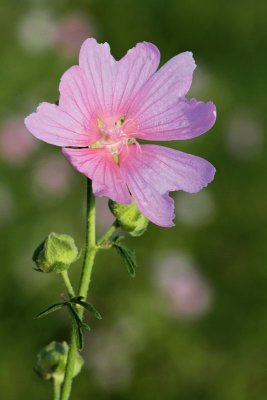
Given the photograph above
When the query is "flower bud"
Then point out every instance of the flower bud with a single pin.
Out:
(129, 218)
(52, 359)
(56, 253)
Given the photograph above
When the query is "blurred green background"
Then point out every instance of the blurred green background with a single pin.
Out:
(193, 323)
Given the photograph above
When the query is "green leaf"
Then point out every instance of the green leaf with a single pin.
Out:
(128, 255)
(74, 314)
(79, 337)
(89, 307)
(51, 309)
(79, 326)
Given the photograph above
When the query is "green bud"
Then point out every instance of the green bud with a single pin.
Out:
(129, 218)
(56, 253)
(52, 359)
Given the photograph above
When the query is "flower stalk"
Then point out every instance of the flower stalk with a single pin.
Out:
(67, 282)
(108, 234)
(90, 252)
(57, 386)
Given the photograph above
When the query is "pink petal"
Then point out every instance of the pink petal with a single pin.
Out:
(115, 83)
(169, 84)
(181, 120)
(151, 172)
(100, 167)
(76, 100)
(160, 111)
(134, 69)
(56, 126)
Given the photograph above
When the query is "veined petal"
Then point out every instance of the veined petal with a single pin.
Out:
(167, 85)
(77, 101)
(100, 167)
(134, 70)
(99, 67)
(184, 119)
(113, 83)
(152, 171)
(55, 126)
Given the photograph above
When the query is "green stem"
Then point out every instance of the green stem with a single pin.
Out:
(91, 249)
(108, 234)
(66, 279)
(90, 252)
(57, 386)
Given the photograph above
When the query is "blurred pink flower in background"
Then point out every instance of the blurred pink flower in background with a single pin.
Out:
(35, 31)
(70, 32)
(39, 31)
(7, 207)
(111, 352)
(195, 210)
(16, 145)
(187, 294)
(244, 135)
(52, 175)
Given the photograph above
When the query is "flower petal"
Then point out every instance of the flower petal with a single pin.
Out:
(151, 172)
(100, 167)
(77, 101)
(56, 126)
(169, 84)
(115, 83)
(134, 69)
(184, 119)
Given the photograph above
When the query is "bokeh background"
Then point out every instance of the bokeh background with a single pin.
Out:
(193, 323)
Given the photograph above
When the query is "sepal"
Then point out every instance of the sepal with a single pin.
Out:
(52, 359)
(56, 253)
(129, 218)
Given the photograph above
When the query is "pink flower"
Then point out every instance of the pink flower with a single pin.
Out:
(106, 105)
(52, 175)
(188, 294)
(70, 32)
(16, 145)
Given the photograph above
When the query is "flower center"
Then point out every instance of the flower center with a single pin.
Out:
(113, 135)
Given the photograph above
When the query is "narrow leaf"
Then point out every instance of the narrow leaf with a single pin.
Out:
(74, 314)
(51, 309)
(89, 307)
(128, 255)
(79, 337)
(78, 326)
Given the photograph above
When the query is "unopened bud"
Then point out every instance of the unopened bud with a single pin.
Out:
(129, 218)
(51, 361)
(56, 253)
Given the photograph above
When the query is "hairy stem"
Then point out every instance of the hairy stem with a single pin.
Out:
(66, 280)
(57, 386)
(108, 234)
(90, 252)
